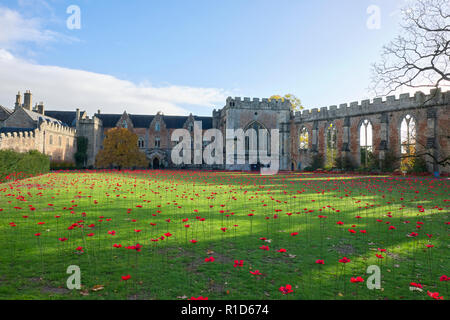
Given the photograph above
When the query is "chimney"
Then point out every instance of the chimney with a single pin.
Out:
(40, 108)
(27, 100)
(77, 118)
(98, 111)
(18, 100)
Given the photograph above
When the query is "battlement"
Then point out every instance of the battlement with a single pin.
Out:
(57, 128)
(256, 103)
(377, 105)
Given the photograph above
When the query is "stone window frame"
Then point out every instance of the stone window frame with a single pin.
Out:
(141, 142)
(408, 145)
(331, 124)
(360, 126)
(303, 130)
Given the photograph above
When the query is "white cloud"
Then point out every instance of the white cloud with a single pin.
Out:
(15, 28)
(67, 89)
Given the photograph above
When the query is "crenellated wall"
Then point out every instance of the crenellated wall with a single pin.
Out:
(431, 114)
(54, 140)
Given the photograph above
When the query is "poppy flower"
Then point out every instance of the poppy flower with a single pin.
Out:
(168, 234)
(266, 248)
(294, 233)
(319, 261)
(127, 277)
(117, 245)
(344, 260)
(356, 280)
(193, 241)
(286, 289)
(444, 278)
(210, 259)
(416, 285)
(435, 295)
(198, 298)
(256, 272)
(238, 263)
(281, 250)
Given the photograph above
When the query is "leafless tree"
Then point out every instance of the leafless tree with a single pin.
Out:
(420, 56)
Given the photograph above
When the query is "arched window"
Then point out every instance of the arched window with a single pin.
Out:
(260, 145)
(50, 139)
(157, 126)
(141, 142)
(157, 142)
(124, 124)
(304, 139)
(59, 141)
(365, 142)
(408, 136)
(331, 143)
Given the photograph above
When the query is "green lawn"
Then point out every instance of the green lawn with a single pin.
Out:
(34, 267)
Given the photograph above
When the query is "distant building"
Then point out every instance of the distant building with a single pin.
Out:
(400, 126)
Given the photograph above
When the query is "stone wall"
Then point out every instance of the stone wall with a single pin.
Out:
(54, 140)
(430, 112)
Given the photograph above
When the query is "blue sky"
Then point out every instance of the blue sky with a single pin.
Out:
(320, 51)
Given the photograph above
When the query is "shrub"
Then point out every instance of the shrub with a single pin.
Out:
(62, 165)
(15, 165)
(316, 162)
(390, 162)
(418, 165)
(345, 163)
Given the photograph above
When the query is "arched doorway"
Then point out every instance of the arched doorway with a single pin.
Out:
(258, 146)
(155, 163)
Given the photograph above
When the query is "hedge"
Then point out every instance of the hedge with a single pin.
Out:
(16, 165)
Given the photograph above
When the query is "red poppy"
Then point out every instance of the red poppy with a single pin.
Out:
(256, 273)
(198, 298)
(281, 250)
(238, 263)
(344, 260)
(264, 248)
(356, 280)
(287, 289)
(319, 261)
(210, 259)
(127, 277)
(435, 295)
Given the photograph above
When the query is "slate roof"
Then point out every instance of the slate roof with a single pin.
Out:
(11, 129)
(143, 121)
(39, 117)
(67, 117)
(206, 122)
(108, 120)
(5, 113)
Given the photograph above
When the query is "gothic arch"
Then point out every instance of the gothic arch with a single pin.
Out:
(303, 138)
(331, 149)
(407, 134)
(365, 141)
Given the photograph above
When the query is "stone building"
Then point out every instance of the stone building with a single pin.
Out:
(24, 129)
(400, 126)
